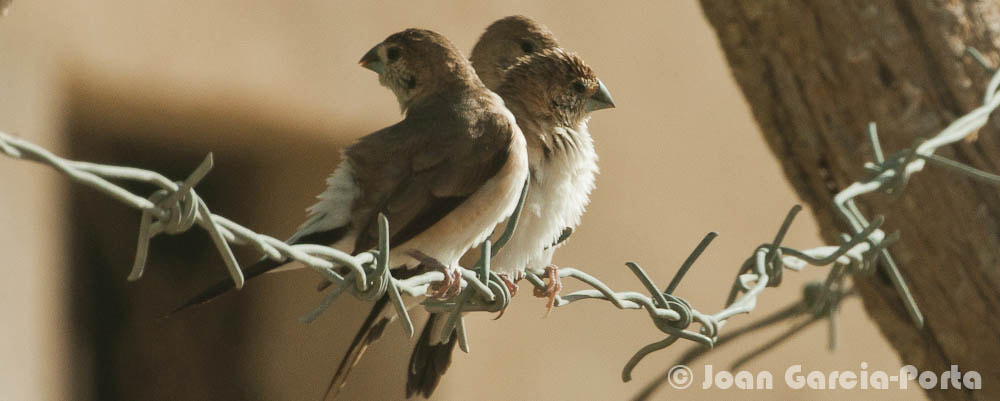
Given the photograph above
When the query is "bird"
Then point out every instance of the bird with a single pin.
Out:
(551, 93)
(445, 175)
(501, 44)
(504, 42)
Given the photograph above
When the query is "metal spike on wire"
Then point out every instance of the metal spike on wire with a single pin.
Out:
(175, 208)
(890, 177)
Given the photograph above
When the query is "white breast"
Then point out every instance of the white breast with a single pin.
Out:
(558, 195)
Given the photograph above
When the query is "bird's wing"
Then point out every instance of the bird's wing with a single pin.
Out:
(419, 170)
(415, 172)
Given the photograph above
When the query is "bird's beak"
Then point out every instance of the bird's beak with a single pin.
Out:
(372, 62)
(601, 99)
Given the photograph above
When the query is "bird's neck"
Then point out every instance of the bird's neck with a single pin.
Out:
(448, 85)
(553, 138)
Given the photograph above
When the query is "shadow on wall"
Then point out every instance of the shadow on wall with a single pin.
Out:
(123, 349)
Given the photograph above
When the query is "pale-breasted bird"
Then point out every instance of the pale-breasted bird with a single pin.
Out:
(498, 48)
(444, 176)
(504, 42)
(551, 93)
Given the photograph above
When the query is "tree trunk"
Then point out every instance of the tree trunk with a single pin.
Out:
(814, 74)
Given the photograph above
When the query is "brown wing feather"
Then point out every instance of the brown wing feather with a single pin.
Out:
(370, 331)
(262, 266)
(428, 362)
(416, 172)
(419, 170)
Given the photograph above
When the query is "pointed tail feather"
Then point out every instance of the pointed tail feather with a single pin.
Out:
(429, 361)
(223, 286)
(371, 330)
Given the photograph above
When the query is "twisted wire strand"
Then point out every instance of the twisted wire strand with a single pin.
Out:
(175, 208)
(859, 253)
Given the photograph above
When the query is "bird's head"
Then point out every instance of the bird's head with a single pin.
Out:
(504, 42)
(416, 62)
(555, 85)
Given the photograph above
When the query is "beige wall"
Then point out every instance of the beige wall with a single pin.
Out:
(680, 156)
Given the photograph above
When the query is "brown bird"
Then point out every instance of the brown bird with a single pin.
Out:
(444, 176)
(499, 47)
(551, 93)
(504, 42)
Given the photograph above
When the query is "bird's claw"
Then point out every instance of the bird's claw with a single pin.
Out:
(511, 283)
(511, 287)
(551, 290)
(449, 287)
(444, 289)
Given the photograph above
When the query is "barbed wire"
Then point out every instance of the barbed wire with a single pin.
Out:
(821, 300)
(175, 208)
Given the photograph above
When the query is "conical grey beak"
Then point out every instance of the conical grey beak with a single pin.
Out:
(601, 99)
(372, 62)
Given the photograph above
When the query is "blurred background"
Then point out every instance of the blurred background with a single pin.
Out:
(274, 90)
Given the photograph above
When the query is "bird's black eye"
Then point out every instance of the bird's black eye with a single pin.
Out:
(579, 87)
(392, 54)
(527, 46)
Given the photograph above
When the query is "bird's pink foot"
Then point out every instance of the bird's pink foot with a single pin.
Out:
(552, 289)
(444, 289)
(511, 287)
(450, 286)
(511, 283)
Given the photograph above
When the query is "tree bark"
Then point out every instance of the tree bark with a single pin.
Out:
(814, 74)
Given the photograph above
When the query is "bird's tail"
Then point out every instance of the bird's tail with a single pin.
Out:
(430, 358)
(223, 286)
(371, 330)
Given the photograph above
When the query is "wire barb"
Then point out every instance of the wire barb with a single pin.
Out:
(175, 208)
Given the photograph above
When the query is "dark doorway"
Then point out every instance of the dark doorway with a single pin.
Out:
(123, 348)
